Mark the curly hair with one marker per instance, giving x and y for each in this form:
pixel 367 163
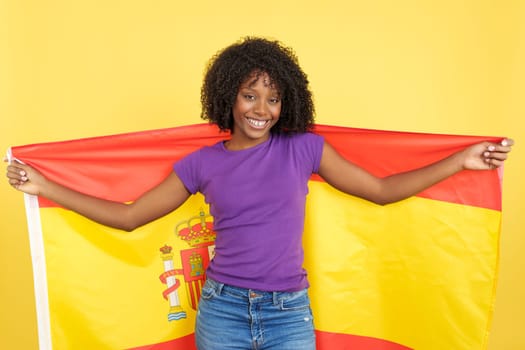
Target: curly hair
pixel 230 67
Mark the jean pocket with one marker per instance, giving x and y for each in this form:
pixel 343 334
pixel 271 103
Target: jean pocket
pixel 294 301
pixel 210 289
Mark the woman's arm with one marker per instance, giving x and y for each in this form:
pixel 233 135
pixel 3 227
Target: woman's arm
pixel 354 180
pixel 159 201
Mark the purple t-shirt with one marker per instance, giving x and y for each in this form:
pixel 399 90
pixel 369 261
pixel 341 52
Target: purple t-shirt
pixel 257 198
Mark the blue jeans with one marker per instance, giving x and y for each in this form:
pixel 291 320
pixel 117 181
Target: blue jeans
pixel 236 318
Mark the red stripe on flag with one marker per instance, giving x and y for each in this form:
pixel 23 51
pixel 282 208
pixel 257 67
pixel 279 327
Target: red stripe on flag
pixel 97 165
pixel 387 152
pixel 324 340
pixel 338 341
pixel 184 343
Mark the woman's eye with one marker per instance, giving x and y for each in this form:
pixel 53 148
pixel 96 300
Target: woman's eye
pixel 274 100
pixel 249 97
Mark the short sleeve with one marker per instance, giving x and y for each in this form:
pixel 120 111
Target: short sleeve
pixel 317 151
pixel 188 170
pixel 310 147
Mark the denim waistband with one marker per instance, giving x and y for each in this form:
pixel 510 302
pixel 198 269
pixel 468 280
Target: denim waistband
pixel 250 294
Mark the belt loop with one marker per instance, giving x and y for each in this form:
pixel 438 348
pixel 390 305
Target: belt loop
pixel 218 288
pixel 275 297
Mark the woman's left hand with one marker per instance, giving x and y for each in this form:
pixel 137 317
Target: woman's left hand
pixel 487 155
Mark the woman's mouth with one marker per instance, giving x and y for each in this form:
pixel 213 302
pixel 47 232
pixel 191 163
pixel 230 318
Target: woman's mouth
pixel 259 124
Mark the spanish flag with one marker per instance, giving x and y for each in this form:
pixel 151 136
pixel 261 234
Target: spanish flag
pixel 417 274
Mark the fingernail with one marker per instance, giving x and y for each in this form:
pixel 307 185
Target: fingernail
pixel 492 148
pixel 23 173
pixel 504 143
pixel 24 178
pixel 486 154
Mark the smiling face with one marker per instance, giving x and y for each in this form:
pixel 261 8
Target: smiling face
pixel 256 110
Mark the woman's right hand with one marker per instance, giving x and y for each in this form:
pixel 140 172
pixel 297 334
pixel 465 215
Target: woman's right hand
pixel 25 178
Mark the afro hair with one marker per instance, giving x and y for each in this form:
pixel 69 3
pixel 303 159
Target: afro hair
pixel 230 67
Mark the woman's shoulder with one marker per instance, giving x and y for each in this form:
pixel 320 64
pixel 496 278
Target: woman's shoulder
pixel 300 137
pixel 306 147
pixel 302 142
pixel 204 152
pixel 218 146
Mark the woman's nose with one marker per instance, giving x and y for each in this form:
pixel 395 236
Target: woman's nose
pixel 260 108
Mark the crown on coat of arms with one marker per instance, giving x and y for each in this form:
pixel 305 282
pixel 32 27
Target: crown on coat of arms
pixel 197 230
pixel 166 249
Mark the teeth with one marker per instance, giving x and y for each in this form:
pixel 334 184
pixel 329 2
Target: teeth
pixel 257 123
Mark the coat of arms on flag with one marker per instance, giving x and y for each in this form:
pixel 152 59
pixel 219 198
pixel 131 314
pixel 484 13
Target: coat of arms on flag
pixel 199 234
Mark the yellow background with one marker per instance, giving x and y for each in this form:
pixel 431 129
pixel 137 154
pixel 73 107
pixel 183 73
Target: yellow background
pixel 71 69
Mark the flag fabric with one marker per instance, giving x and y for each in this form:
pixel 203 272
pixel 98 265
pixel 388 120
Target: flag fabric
pixel 417 274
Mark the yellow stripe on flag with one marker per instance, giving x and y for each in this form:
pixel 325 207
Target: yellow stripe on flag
pixel 419 272
pixel 104 286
